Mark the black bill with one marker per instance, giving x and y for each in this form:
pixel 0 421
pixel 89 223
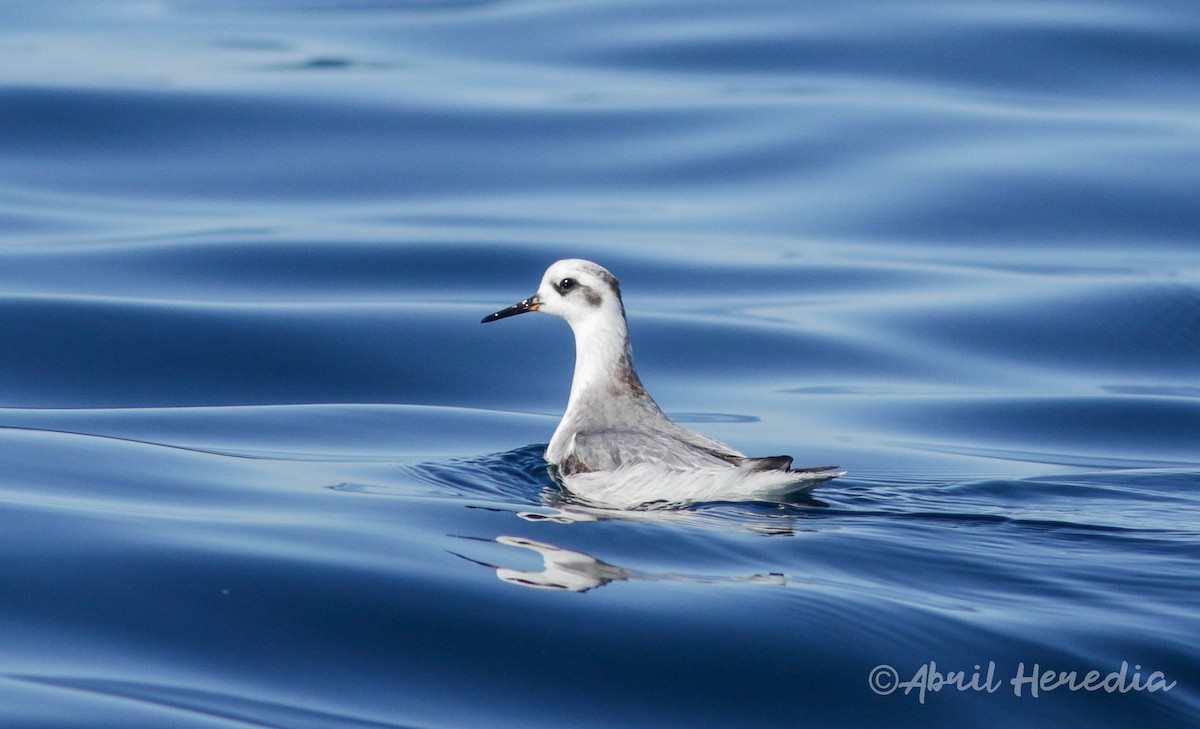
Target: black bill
pixel 530 304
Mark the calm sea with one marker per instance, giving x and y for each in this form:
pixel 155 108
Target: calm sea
pixel 261 466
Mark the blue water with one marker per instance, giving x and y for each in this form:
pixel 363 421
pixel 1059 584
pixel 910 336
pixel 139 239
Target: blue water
pixel 260 465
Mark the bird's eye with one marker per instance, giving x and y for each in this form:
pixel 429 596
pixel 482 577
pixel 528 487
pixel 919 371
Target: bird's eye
pixel 566 285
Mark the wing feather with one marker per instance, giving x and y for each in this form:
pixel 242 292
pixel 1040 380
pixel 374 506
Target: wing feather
pixel 607 450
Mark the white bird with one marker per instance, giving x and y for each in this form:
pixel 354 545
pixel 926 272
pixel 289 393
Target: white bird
pixel 614 446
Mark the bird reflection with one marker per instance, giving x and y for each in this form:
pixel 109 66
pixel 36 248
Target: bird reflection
pixel 764 524
pixel 571 571
pixel 779 520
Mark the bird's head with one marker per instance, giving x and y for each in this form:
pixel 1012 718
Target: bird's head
pixel 573 289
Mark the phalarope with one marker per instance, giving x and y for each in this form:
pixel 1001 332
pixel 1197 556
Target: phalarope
pixel 614 446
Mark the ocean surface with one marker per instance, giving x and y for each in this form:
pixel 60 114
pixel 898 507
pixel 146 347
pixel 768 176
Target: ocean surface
pixel 261 466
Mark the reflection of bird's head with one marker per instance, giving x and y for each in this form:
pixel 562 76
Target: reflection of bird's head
pixel 562 569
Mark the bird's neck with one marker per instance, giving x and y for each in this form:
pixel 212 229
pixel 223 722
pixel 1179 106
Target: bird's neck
pixel 603 363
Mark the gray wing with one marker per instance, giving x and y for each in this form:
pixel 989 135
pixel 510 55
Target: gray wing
pixel 606 450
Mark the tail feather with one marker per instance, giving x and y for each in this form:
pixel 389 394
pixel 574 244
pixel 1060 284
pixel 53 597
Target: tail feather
pixel 813 469
pixel 782 463
pixel 769 463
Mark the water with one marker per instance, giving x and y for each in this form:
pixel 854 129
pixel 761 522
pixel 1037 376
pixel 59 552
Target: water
pixel 261 466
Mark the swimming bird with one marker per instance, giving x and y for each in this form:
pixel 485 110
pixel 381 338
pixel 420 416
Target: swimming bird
pixel 614 446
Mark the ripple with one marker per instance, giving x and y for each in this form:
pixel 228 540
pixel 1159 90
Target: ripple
pixel 210 708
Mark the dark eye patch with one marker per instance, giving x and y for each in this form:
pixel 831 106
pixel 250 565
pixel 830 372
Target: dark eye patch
pixel 566 285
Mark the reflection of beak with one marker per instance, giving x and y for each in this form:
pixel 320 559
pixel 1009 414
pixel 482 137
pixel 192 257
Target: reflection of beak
pixel 530 304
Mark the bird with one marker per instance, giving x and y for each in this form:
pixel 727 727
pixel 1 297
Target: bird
pixel 614 446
